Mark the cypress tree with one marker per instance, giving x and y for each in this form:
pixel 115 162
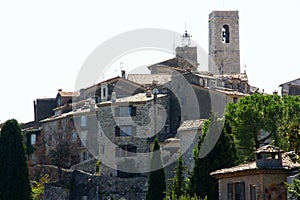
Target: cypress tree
pixel 179 182
pixel 222 155
pixel 156 180
pixel 14 175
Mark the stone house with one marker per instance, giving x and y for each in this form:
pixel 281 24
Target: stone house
pixel 291 87
pixel 127 128
pixel 263 179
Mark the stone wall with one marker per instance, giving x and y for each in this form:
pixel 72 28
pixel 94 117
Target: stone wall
pixel 81 185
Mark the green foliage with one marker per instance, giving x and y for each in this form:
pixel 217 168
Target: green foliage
pixel 223 154
pixel 98 163
pixel 294 189
pixel 179 182
pixel 184 197
pixel 156 180
pixel 257 114
pixel 38 187
pixel 14 175
pixel 291 131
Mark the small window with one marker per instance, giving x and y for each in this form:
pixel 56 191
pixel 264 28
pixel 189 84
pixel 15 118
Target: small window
pixel 125 111
pixel 166 128
pixel 252 192
pixel 239 190
pixel 235 99
pixel 74 136
pixel 126 151
pixel 229 191
pixel 225 34
pixel 84 137
pixel 85 155
pixel 104 92
pixel 33 139
pixel 83 121
pixel 125 131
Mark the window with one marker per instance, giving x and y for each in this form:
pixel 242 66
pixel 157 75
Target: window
pixel 104 92
pixel 235 99
pixel 74 136
pixel 236 191
pixel 33 139
pixel 84 137
pixel 125 131
pixel 166 128
pixel 229 191
pixel 239 190
pixel 225 34
pixel 126 151
pixel 125 111
pixel 252 192
pixel 83 121
pixel 85 155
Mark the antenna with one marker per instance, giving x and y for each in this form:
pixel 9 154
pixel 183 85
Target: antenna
pixel 223 4
pixel 174 45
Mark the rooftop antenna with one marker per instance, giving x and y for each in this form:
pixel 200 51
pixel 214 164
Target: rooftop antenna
pixel 174 45
pixel 223 4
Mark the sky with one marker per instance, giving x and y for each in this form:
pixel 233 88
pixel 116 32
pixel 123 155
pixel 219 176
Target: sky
pixel 43 44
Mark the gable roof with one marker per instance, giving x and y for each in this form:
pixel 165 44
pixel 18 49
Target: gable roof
pixel 288 162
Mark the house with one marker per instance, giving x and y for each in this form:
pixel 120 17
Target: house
pixel 263 179
pixel 291 87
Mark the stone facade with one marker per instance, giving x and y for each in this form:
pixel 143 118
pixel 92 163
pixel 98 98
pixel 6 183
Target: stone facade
pixel 224 47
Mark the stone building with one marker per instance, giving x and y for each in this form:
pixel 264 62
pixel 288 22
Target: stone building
pixel 224 44
pixel 259 180
pixel 291 87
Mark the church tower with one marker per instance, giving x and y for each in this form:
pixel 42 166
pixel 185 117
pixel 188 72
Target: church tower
pixel 224 42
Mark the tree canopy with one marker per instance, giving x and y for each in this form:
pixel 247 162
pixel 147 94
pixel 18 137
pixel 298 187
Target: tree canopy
pixel 258 119
pixel 14 175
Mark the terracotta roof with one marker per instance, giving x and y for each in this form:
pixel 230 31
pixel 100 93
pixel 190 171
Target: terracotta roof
pixel 191 124
pixel 288 162
pixel 146 79
pixel 268 149
pixel 68 94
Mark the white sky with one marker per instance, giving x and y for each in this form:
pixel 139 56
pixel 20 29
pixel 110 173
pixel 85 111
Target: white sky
pixel 44 43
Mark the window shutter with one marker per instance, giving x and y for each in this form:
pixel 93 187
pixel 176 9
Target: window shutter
pixel 132 111
pixel 117 131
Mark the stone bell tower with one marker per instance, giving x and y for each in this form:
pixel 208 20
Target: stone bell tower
pixel 224 42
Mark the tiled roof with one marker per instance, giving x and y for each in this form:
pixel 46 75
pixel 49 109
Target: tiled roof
pixel 288 162
pixel 140 97
pixel 69 94
pixel 146 79
pixel 268 149
pixel 191 124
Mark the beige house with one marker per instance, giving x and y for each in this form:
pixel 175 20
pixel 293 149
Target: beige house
pixel 263 179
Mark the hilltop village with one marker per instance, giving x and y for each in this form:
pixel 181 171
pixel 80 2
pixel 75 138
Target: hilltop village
pixel 113 124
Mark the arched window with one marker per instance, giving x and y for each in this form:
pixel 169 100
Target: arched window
pixel 225 34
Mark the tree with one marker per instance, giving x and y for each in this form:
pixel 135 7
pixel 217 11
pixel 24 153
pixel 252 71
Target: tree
pixel 14 175
pixel 179 182
pixel 156 180
pixel 222 155
pixel 257 119
pixel 59 142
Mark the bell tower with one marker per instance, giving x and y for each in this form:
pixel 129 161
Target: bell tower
pixel 224 42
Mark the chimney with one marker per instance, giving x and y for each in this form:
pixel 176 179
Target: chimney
pixel 123 72
pixel 275 92
pixel 59 90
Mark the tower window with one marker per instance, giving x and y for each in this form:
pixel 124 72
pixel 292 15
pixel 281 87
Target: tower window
pixel 225 34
